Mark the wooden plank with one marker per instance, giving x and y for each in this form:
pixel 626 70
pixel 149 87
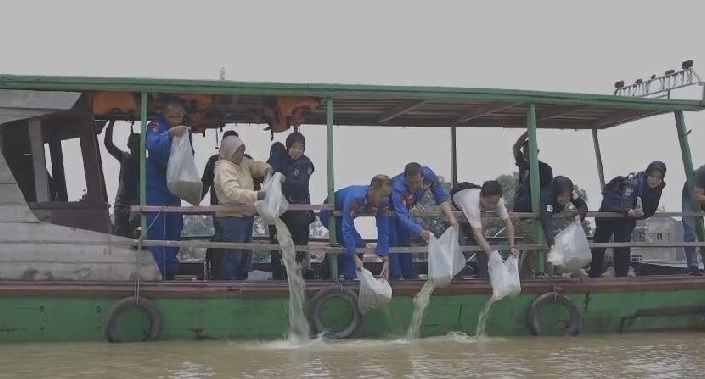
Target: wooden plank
pixel 11 194
pixel 41 186
pixel 16 213
pixel 400 110
pixel 483 110
pixel 63 263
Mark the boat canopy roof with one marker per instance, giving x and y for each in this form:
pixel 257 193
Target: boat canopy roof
pixel 357 105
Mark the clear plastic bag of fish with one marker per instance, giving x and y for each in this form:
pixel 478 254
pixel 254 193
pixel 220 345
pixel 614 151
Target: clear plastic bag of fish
pixel 571 250
pixel 182 177
pixel 374 292
pixel 504 275
pixel 445 259
pixel 274 203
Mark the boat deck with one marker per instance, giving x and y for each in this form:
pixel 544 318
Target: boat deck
pixel 276 289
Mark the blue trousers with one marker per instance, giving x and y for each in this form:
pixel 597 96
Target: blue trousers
pixel 691 253
pixel 346 262
pixel 165 226
pixel 236 262
pixel 400 265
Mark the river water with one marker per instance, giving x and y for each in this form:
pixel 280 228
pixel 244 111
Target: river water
pixel 660 355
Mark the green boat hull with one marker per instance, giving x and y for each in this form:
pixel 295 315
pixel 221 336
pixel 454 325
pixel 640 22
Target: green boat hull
pixel 71 312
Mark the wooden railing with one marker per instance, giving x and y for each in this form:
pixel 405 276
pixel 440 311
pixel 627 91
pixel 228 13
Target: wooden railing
pixel 206 210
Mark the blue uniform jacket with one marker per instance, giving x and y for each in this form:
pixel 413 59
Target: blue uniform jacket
pixel 158 149
pixel 351 201
pixel 402 199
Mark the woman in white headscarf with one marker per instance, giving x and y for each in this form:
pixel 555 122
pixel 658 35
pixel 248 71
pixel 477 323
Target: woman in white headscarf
pixel 234 185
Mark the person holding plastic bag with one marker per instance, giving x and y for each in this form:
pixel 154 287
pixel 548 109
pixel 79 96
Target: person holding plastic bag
pixel 234 185
pixel 351 201
pixel 559 206
pixel 164 225
pixel 635 196
pixel 407 189
pixel 472 201
pixel 297 169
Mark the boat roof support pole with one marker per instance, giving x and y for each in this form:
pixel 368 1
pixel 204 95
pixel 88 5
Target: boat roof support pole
pixel 143 163
pixel 331 186
pixel 689 174
pixel 534 181
pixel 454 155
pixel 598 155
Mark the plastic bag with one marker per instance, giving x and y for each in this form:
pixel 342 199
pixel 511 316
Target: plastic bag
pixel 274 203
pixel 182 177
pixel 571 250
pixel 445 259
pixel 504 276
pixel 374 293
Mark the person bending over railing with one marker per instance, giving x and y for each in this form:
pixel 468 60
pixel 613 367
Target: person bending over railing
pixel 407 189
pixel 472 201
pixel 635 196
pixel 234 185
pixel 353 201
pixel 559 203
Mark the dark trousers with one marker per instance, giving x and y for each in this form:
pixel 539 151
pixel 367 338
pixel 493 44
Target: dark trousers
pixel 298 225
pixel 126 223
pixel 214 257
pixel 467 238
pixel 236 263
pixel 621 229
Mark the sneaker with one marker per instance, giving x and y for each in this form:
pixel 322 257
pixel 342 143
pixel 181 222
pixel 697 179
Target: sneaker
pixel 694 271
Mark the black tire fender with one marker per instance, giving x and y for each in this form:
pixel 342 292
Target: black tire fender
pixel 112 331
pixel 556 298
pixel 318 303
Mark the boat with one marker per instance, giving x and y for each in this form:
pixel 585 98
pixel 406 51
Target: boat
pixel 64 277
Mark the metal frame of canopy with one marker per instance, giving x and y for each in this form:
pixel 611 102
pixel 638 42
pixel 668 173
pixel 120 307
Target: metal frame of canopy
pixel 395 106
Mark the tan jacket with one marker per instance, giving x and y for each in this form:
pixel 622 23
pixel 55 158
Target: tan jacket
pixel 234 184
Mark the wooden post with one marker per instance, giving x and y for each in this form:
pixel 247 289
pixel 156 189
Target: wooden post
pixel 535 181
pixel 331 186
pixel 36 141
pixel 689 174
pixel 143 162
pixel 598 155
pixel 454 155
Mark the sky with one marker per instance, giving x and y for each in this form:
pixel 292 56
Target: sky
pixel 539 45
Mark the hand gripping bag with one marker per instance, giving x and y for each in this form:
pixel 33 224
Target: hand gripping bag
pixel 445 259
pixel 182 177
pixel 504 275
pixel 374 293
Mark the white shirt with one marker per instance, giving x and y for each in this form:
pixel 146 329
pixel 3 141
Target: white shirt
pixel 469 202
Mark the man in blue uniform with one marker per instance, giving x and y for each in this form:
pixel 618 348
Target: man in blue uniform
pixel 164 225
pixel 407 189
pixel 351 201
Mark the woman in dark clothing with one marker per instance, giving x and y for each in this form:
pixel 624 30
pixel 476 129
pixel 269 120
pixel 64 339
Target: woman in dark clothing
pixel 561 201
pixel 637 197
pixel 561 204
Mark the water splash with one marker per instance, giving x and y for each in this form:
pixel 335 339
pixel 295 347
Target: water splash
pixel 421 301
pixel 299 330
pixel 482 319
